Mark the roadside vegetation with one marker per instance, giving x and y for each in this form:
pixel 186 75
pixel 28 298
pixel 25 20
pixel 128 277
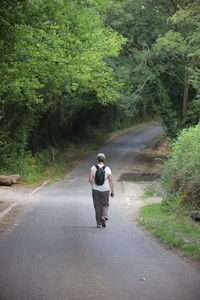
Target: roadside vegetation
pixel 176 230
pixel 53 163
pixel 181 172
pixel 170 220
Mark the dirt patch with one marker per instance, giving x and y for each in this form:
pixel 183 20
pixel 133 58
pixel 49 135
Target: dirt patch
pixel 8 221
pixel 145 170
pixel 134 200
pixel 3 205
pixel 148 163
pixel 138 176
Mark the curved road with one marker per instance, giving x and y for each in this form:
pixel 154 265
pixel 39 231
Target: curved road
pixel 56 253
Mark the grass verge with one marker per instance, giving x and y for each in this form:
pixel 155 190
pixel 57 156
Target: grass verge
pixel 175 230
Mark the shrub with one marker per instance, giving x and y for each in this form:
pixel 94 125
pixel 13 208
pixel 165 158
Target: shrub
pixel 49 163
pixel 181 172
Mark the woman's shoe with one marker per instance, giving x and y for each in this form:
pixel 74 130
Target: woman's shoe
pixel 103 223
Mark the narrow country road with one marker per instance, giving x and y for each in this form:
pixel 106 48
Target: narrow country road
pixel 57 253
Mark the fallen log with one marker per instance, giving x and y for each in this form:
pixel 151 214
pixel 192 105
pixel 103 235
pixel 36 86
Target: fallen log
pixel 9 180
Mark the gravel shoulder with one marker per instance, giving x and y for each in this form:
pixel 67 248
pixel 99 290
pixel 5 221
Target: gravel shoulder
pixel 144 171
pixel 11 197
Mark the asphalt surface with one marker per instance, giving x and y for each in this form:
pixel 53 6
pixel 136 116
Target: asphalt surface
pixel 55 252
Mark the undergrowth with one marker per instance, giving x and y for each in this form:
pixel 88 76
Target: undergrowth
pixel 151 190
pixel 181 172
pixel 47 164
pixel 175 230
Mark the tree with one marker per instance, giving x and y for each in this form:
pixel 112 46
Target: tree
pixel 52 65
pixel 188 20
pixel 135 64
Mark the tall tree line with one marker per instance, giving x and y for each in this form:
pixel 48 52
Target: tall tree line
pixel 70 65
pixel 160 61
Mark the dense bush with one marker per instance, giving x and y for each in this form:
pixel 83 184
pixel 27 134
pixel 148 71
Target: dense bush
pixel 181 173
pixel 48 163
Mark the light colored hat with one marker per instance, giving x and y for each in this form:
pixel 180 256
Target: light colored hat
pixel 101 156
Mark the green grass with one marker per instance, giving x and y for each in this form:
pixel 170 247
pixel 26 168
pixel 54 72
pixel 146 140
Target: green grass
pixel 175 230
pixel 40 167
pixel 149 191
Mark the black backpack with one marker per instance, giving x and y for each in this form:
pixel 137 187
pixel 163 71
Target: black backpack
pixel 100 175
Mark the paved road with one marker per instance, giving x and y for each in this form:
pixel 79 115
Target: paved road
pixel 56 253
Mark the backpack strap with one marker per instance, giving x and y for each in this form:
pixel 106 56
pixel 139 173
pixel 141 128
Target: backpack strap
pixel 97 167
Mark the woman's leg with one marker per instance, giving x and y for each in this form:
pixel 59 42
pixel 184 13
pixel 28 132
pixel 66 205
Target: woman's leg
pixel 97 206
pixel 105 205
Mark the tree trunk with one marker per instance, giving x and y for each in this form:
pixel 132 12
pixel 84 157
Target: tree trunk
pixel 185 91
pixel 9 180
pixel 172 8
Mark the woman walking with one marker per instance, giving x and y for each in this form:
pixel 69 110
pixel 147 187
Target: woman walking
pixel 100 178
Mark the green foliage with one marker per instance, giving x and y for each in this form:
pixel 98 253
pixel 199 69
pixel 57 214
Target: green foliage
pixel 134 66
pixel 169 118
pixel 179 51
pixel 159 63
pixel 193 114
pixel 49 164
pixel 177 231
pixel 52 61
pixel 149 191
pixel 175 202
pixel 181 173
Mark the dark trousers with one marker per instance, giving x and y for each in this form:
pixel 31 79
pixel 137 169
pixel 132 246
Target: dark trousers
pixel 101 204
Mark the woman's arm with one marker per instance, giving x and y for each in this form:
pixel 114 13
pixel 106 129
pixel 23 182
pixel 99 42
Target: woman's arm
pixel 91 177
pixel 110 180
